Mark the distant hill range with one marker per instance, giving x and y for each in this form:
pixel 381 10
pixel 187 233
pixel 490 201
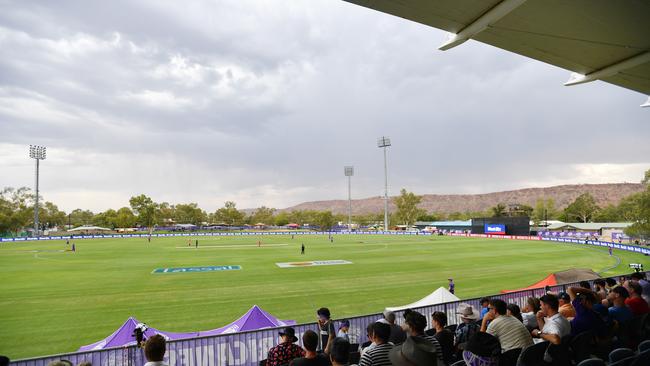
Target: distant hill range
pixel 604 194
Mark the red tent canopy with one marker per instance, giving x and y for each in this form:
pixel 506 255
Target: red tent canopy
pixel 548 281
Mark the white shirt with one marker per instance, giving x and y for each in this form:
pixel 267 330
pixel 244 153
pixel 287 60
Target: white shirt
pixel 557 324
pixel 155 363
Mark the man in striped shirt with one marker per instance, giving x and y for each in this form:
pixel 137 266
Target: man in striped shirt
pixel 378 355
pixel 512 333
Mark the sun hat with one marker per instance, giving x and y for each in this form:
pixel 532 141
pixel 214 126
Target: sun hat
pixel 466 311
pixel 289 332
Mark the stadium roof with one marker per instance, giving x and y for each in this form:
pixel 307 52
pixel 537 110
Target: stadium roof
pixel 597 40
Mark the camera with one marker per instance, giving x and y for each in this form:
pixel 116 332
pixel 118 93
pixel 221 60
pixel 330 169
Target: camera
pixel 638 267
pixel 138 333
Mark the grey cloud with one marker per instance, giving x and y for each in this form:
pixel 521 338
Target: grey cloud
pixel 264 102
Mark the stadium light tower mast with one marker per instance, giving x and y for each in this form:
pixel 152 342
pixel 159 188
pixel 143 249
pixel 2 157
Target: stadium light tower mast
pixel 37 153
pixel 384 142
pixel 349 172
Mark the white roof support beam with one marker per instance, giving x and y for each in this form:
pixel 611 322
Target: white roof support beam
pixel 480 24
pixel 610 70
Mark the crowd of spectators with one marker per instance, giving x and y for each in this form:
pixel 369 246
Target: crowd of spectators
pixel 582 322
pixel 609 315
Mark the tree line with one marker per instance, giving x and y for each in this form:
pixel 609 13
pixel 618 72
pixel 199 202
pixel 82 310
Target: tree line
pixel 17 213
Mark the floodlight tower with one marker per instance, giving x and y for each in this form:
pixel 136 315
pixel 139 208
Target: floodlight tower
pixel 37 153
pixel 349 172
pixel 384 142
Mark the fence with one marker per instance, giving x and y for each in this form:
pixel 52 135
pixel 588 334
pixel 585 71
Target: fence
pixel 248 348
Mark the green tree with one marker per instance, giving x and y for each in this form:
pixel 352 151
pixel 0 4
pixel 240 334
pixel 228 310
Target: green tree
pixel 544 210
pixel 145 209
pixel 189 213
pixel 407 207
pixel 106 219
pixel 263 215
pixel 229 214
pixel 429 217
pixel 498 211
pixel 79 217
pixel 281 219
pixel 628 208
pixel 609 213
pixel 51 216
pixel 125 218
pixel 16 209
pixel 641 226
pixel 583 208
pixel 325 220
pixel 165 214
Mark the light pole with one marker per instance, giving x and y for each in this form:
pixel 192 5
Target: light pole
pixel 384 142
pixel 349 172
pixel 37 153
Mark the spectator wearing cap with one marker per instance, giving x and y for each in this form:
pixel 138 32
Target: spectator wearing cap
pixel 286 351
pixel 415 324
pixel 635 302
pixel 566 309
pixel 552 325
pixel 378 355
pixel 397 334
pixel 619 311
pixel 512 333
pixel 586 318
pixel 311 358
pixel 154 350
pixel 645 285
pixel 467 328
pixel 327 331
pixel 444 336
pixel 344 328
pixel 340 352
pixel 529 312
pixel 415 351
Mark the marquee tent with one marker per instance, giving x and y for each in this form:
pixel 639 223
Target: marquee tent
pixel 89 228
pixel 439 296
pixel 570 275
pixel 255 318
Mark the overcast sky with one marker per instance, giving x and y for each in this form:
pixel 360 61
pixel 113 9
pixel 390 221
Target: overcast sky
pixel 265 102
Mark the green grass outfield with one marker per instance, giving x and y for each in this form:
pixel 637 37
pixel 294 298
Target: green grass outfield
pixel 53 302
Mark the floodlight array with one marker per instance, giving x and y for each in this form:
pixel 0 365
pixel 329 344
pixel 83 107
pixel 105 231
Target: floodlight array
pixel 37 152
pixel 383 141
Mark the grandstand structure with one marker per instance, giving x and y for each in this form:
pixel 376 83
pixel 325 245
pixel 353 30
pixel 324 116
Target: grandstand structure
pixel 250 347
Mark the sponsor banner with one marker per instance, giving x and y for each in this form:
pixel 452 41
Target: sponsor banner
pixel 495 229
pixel 196 269
pixel 312 263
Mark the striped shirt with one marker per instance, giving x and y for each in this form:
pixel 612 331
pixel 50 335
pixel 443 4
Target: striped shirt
pixel 511 333
pixel 377 356
pixel 432 339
